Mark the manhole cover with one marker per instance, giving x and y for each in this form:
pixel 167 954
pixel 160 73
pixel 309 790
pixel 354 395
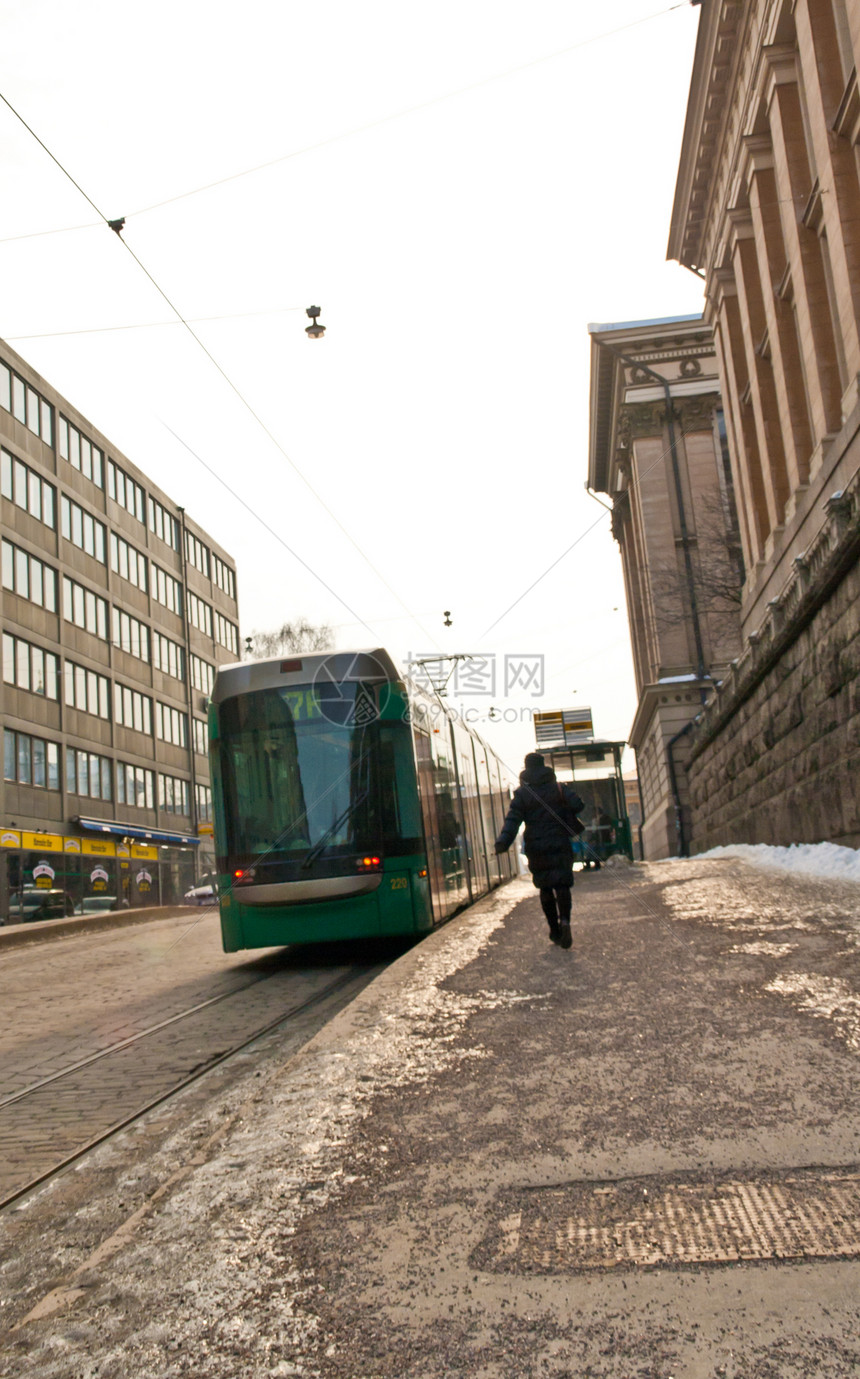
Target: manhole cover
pixel 635 1222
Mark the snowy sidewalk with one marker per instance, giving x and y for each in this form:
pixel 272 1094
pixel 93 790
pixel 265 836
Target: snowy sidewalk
pixel 458 1175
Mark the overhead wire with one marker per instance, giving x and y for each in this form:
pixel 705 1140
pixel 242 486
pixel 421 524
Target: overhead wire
pixel 152 325
pixel 117 226
pixel 392 116
pixel 239 499
pixel 602 517
pixel 415 109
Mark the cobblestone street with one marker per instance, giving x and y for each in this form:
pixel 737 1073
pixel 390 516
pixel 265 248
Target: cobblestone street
pixel 638 1158
pixel 98 1025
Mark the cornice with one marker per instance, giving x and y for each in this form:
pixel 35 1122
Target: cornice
pixel 650 341
pixel 715 56
pixel 777 67
pixel 757 155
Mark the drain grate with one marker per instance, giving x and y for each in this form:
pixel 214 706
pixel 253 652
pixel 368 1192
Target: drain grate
pixel 636 1222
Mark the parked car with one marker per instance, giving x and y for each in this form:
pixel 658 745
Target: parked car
pixel 204 893
pixel 31 904
pixel 95 904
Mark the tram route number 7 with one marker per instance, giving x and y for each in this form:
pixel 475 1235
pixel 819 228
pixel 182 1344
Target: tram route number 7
pixel 303 704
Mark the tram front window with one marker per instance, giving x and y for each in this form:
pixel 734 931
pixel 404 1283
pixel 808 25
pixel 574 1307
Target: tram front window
pixel 296 776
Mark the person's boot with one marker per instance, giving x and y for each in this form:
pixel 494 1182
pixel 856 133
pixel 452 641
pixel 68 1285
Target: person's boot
pixel 565 938
pixel 555 931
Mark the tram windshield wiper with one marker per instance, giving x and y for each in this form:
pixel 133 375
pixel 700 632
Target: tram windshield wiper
pixel 332 830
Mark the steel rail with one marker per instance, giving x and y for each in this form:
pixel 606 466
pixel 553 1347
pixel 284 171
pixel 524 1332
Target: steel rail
pixel 124 1043
pixel 63 1164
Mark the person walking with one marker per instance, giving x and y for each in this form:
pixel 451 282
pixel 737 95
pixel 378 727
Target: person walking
pixel 548 811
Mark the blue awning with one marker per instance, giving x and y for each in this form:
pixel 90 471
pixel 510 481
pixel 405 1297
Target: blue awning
pixel 149 835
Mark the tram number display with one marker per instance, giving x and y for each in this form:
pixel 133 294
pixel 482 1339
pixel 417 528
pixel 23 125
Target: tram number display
pixel 399 883
pixel 303 704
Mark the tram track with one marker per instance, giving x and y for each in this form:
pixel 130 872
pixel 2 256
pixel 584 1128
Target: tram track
pixel 124 1043
pixel 45 1111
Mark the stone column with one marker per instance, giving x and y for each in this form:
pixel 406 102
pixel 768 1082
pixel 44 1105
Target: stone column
pixel 803 248
pixel 743 442
pixel 760 371
pixel 836 169
pixel 779 316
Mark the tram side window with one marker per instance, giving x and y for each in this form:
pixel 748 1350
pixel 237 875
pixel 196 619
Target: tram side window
pixel 398 791
pixel 446 808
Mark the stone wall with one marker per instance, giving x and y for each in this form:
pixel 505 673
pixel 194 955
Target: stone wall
pixel 775 757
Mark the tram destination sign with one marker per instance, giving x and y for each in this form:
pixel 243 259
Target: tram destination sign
pixel 564 727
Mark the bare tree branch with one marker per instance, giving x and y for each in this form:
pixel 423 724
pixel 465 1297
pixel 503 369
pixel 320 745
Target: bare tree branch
pixel 290 638
pixel 718 572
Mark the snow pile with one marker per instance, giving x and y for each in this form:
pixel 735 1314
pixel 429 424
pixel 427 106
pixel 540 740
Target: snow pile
pixel 811 859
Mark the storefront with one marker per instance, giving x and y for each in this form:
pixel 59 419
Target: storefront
pixel 49 875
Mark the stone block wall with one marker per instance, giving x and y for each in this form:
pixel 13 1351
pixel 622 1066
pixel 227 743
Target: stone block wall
pixel 775 757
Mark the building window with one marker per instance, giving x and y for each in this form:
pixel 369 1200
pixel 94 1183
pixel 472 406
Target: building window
pixel 31 760
pixel 84 608
pixel 197 553
pixel 126 491
pixel 202 674
pixel 28 490
pixel 203 796
pixel 30 668
pixel 26 405
pixel 87 691
pixel 173 795
pixel 223 576
pixel 163 524
pixel 130 635
pixel 81 453
pixel 27 577
pixel 82 529
pixel 131 709
pixel 127 562
pixel 171 725
pixel 166 589
pixel 168 656
pixel 227 634
pixel 88 774
pixel 199 614
pixel 135 786
pixel 201 736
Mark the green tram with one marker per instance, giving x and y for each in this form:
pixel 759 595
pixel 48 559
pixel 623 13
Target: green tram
pixel 347 802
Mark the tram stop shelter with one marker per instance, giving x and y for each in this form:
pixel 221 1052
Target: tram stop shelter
pixel 595 769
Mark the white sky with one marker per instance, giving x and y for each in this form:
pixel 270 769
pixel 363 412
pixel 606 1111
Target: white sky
pixel 457 250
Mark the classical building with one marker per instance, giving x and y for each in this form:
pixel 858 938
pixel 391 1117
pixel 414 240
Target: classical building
pixel 767 212
pixel 116 609
pixel 657 447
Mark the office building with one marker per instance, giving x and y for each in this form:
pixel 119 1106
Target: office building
pixel 116 610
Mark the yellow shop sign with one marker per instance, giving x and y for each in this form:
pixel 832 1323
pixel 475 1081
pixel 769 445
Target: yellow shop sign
pixel 99 847
pixel 150 854
pixel 8 839
pixel 42 842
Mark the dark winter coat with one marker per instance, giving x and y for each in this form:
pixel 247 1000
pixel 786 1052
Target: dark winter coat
pixel 547 837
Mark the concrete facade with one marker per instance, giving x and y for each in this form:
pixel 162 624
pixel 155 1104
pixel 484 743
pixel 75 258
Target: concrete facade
pixel 767 212
pixel 657 448
pixel 116 609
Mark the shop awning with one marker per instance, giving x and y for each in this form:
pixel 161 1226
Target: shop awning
pixel 150 835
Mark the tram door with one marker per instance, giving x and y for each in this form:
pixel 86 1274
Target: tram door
pixel 427 795
pixel 478 875
pixel 492 825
